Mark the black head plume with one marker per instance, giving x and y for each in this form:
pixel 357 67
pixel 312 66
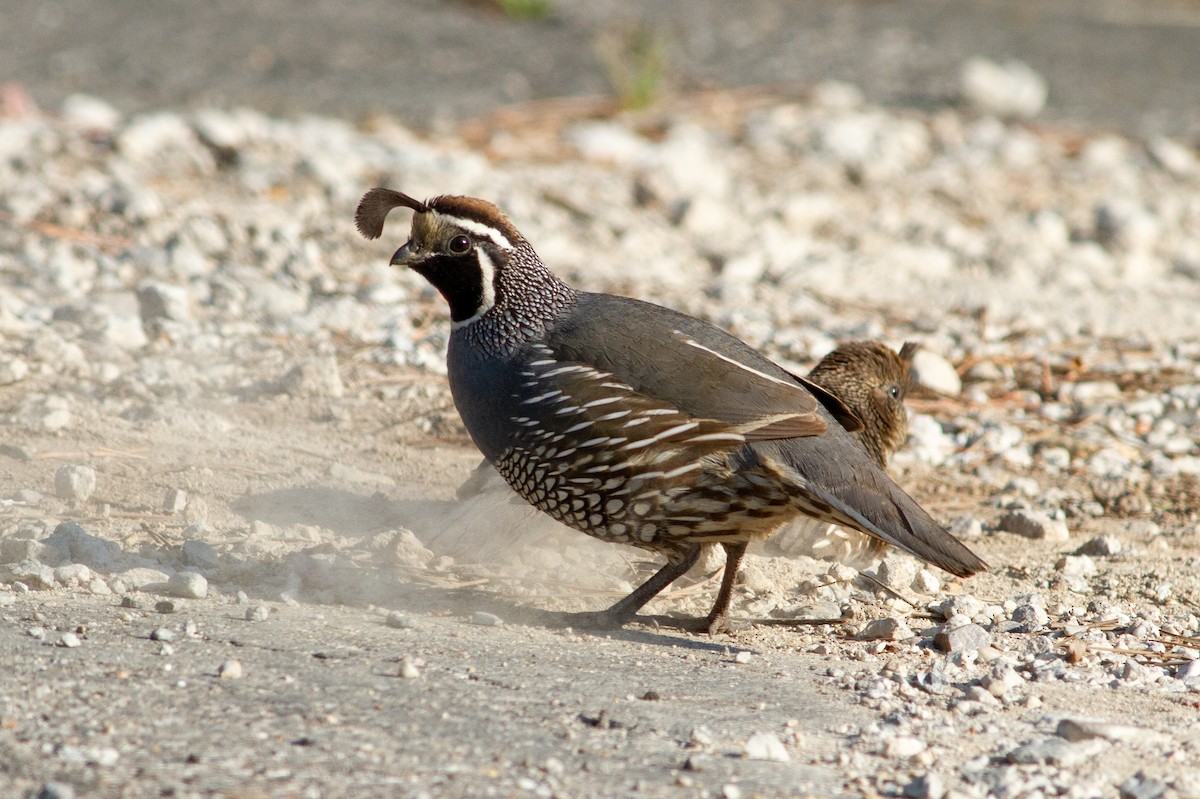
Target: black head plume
pixel 373 208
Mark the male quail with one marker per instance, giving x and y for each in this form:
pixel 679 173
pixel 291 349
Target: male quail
pixel 635 423
pixel 873 381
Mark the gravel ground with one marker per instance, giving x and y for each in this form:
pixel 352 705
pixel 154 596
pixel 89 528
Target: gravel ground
pixel 232 564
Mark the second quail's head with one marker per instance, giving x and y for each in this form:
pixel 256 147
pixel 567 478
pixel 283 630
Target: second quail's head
pixel 873 381
pixel 458 244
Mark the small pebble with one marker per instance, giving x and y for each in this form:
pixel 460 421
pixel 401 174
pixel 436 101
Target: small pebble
pixel 1033 524
pixel 765 746
pixel 1139 786
pixel 200 554
pixel 936 373
pixel 69 640
pixel 162 634
pixel 1001 680
pixel 1056 752
pixel 925 786
pixel 230 670
pixel 187 585
pixel 904 746
pixel 56 790
pixel 1102 546
pixel 1012 89
pixel 399 621
pixel 165 606
pixel 744 656
pixel 408 669
pixel 962 638
pixel 485 619
pixel 1078 729
pixel 1189 671
pixel 175 501
pixel 257 613
pixel 1031 617
pixel 74 483
pixel 886 629
pixel 1076 566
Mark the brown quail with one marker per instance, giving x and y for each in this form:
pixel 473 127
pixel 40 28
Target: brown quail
pixel 873 381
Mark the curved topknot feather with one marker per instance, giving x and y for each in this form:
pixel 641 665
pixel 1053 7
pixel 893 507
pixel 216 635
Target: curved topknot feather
pixel 374 208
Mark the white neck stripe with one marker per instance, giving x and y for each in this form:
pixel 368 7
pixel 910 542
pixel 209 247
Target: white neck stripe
pixel 481 230
pixel 487 281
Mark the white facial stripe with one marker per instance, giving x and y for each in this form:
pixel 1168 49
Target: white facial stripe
pixel 487 277
pixel 479 229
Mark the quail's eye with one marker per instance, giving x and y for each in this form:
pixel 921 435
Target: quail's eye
pixel 894 392
pixel 460 244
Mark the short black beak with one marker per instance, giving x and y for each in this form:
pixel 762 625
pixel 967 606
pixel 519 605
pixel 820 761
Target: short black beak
pixel 403 256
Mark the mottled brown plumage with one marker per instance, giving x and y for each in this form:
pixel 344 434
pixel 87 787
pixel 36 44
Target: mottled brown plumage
pixel 873 381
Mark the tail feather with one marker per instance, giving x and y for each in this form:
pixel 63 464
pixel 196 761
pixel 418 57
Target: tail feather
pixel 883 510
pixel 860 495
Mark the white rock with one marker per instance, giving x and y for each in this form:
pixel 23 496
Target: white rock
pixel 927 442
pixel 766 746
pixel 936 373
pixel 13 370
pixel 886 629
pixel 904 746
pixel 1081 729
pixel 29 573
pixel 74 482
pixel 1076 566
pixel 230 670
pixel 609 142
pixel 1174 157
pixel 162 301
pixel 897 570
pixel 1001 680
pixel 75 545
pixel 187 585
pixel 926 582
pixel 90 114
pixel 73 575
pixel 1012 89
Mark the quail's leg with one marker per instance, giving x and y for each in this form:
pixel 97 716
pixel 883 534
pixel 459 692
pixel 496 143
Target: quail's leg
pixel 626 609
pixel 718 617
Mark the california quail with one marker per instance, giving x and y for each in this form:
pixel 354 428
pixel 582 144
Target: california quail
pixel 873 381
pixel 635 423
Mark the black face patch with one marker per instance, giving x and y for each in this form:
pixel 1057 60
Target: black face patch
pixel 459 279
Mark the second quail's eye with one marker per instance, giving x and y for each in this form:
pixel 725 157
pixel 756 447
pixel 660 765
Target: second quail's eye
pixel 894 392
pixel 460 244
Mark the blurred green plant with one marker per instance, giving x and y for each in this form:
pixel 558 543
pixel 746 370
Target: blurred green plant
pixel 526 9
pixel 635 61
